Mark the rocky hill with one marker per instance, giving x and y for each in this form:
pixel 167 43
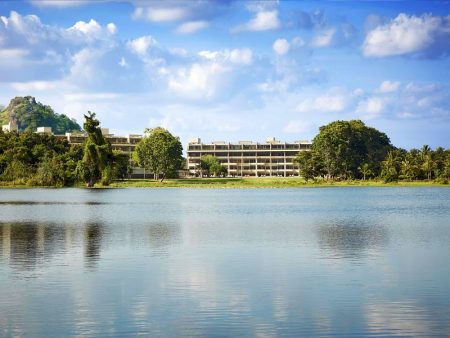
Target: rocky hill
pixel 30 114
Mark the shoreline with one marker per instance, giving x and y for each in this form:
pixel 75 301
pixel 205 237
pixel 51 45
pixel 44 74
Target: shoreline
pixel 239 183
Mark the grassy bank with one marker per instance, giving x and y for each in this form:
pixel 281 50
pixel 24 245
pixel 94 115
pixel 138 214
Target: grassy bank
pixel 247 182
pixel 260 182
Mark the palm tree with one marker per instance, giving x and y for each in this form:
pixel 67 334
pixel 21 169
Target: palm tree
pixel 389 167
pixel 428 165
pixel 365 170
pixel 407 169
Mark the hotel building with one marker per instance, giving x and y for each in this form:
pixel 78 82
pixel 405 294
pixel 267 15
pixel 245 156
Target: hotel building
pixel 246 158
pixel 124 144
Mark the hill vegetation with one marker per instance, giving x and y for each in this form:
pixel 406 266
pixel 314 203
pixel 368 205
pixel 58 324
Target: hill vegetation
pixel 30 114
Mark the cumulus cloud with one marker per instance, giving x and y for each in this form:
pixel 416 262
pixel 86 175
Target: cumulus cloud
pixel 237 56
pixel 141 46
pixel 389 86
pixel 297 126
pixel 425 35
pixel 281 46
pixel 161 14
pixel 263 21
pixel 192 27
pixel 59 3
pixel 44 52
pixel 323 38
pixel 333 101
pixel 200 81
pixel 371 108
pixel 33 86
pixel 179 11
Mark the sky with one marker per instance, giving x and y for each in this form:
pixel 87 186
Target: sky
pixel 234 70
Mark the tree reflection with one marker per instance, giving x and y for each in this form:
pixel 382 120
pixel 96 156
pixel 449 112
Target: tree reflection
pixel 92 243
pixel 350 238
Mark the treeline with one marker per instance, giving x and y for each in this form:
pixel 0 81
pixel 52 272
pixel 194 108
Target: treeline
pixel 346 150
pixel 43 160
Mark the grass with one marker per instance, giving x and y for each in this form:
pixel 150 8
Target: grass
pixel 247 182
pixel 257 182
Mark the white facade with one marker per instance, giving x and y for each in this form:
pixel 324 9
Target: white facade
pixel 247 158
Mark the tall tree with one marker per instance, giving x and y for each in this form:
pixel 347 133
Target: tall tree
pixel 97 159
pixel 342 147
pixel 159 152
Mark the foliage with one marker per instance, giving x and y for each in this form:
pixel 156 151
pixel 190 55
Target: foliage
pixel 211 165
pixel 308 164
pixel 121 165
pixel 342 148
pixel 159 152
pixel 97 161
pixel 30 114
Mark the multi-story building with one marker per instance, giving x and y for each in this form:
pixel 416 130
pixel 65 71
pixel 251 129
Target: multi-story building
pixel 246 158
pixel 124 144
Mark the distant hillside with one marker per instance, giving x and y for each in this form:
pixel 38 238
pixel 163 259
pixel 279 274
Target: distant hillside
pixel 30 114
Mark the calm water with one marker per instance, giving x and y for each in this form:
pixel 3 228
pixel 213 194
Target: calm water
pixel 263 262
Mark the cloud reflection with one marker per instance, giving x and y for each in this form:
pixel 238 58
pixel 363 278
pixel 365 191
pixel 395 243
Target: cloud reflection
pixel 351 238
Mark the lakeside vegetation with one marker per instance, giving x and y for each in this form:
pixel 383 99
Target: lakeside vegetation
pixel 263 182
pixel 344 153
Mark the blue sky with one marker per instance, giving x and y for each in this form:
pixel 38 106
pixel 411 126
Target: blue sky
pixel 235 70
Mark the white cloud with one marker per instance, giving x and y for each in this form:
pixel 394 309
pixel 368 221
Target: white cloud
pixel 13 53
pixel 192 27
pixel 161 14
pixel 323 38
pixel 59 3
pixel 89 28
pixel 281 46
pixel 33 86
pixel 237 56
pixel 112 28
pixel 263 21
pixel 408 34
pixel 123 62
pixel 141 45
pixel 371 108
pixel 389 86
pixel 328 102
pixel 198 81
pixel 297 126
pixel 241 56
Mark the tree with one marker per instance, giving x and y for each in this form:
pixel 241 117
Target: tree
pixel 341 147
pixel 428 165
pixel 307 165
pixel 211 165
pixel 365 170
pixel 122 167
pixel 159 152
pixel 389 167
pixel 97 159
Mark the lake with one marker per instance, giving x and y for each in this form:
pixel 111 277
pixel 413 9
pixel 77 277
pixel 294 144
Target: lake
pixel 347 262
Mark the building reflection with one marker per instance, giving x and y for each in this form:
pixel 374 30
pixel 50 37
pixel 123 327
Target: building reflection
pixel 351 238
pixel 26 245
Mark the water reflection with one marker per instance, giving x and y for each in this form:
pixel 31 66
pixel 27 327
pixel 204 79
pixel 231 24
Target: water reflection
pixel 351 238
pixel 224 262
pixel 92 243
pixel 26 245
